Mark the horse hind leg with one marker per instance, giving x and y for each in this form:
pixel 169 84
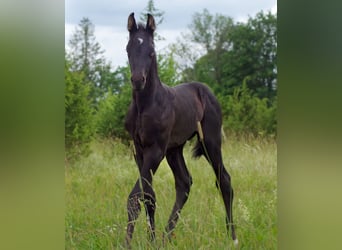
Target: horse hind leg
pixel 223 182
pixel 210 147
pixel 183 182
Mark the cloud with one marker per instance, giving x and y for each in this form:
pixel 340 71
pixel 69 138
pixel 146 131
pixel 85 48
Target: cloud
pixel 114 42
pixel 110 18
pixel 177 12
pixel 274 9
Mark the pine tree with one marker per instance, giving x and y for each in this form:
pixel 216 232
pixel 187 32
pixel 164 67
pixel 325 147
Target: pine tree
pixel 85 52
pixel 78 114
pixel 86 56
pixel 158 17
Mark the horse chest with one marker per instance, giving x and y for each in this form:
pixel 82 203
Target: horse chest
pixel 148 129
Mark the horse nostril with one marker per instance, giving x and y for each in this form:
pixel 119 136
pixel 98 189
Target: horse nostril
pixel 138 79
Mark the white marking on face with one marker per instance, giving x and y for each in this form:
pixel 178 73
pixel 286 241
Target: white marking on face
pixel 140 40
pixel 236 242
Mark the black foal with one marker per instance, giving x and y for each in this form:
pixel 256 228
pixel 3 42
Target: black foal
pixel 160 120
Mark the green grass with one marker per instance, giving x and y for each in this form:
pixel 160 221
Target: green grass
pixel 97 188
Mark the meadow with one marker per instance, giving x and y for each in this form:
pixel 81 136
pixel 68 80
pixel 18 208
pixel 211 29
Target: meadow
pixel 97 186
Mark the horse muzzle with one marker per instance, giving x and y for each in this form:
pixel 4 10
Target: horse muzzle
pixel 138 82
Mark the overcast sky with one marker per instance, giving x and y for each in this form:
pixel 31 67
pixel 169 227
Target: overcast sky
pixel 110 18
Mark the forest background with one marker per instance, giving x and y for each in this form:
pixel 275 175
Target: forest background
pixel 237 60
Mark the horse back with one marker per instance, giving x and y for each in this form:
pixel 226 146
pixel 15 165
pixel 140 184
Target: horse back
pixel 196 98
pixel 192 101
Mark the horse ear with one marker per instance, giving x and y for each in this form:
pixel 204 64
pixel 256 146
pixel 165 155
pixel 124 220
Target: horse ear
pixel 131 24
pixel 151 25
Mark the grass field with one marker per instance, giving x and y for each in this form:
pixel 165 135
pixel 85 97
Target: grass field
pixel 97 187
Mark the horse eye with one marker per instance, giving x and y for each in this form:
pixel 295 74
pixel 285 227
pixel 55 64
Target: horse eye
pixel 152 54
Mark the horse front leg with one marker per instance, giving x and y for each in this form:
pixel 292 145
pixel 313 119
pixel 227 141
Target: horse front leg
pixel 143 190
pixel 133 210
pixel 133 204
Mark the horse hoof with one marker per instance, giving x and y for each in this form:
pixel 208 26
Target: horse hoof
pixel 236 242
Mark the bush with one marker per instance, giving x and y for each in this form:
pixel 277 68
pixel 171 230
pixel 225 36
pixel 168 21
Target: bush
pixel 79 126
pixel 243 112
pixel 111 114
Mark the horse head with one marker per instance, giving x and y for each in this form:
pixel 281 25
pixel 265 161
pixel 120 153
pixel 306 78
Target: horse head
pixel 140 50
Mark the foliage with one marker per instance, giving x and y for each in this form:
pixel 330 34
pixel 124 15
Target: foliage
pixel 200 51
pixel 246 113
pixel 253 54
pixel 158 17
pixel 236 60
pixel 211 32
pixel 112 112
pixel 233 51
pixel 238 63
pixel 79 127
pixel 167 68
pixel 86 55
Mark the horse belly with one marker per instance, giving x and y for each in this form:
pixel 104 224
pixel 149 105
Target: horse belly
pixel 186 117
pixel 181 133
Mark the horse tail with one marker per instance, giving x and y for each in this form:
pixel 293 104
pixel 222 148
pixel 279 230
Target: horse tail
pixel 209 104
pixel 197 150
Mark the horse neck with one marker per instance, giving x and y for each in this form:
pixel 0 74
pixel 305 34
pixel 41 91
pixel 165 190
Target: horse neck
pixel 145 97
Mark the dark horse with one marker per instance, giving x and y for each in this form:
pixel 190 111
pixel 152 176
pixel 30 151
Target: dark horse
pixel 160 120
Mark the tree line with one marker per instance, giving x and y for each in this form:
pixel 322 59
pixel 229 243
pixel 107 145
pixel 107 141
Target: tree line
pixel 237 60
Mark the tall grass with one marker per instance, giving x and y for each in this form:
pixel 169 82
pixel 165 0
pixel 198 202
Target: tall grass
pixel 97 188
